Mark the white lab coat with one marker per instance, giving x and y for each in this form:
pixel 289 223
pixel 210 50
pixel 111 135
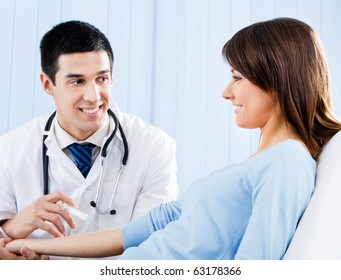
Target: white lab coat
pixel 318 235
pixel 148 178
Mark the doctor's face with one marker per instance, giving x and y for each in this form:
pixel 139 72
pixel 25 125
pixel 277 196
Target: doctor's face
pixel 81 92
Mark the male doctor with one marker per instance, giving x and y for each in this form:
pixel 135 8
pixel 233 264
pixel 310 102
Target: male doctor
pixel 77 62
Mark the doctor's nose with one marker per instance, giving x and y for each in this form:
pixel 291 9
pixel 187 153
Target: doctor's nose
pixel 92 93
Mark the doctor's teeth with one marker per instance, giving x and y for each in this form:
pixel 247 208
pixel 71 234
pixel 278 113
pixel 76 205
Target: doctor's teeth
pixel 90 111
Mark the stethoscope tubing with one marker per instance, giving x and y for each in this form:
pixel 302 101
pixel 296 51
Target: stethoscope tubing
pixel 118 126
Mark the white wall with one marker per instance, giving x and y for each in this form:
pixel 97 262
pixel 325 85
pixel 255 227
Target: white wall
pixel 168 65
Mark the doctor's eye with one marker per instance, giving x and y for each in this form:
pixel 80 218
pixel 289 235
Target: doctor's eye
pixel 77 82
pixel 103 79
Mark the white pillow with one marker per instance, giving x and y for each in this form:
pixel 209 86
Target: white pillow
pixel 318 235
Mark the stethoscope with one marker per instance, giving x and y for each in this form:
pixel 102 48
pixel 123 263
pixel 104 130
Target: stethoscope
pixel 93 203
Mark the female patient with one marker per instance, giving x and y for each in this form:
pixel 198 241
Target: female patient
pixel 280 84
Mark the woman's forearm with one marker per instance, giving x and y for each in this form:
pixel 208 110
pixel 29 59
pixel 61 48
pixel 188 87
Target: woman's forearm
pixel 84 245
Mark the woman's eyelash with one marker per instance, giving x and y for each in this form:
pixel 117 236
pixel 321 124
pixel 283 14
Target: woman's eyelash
pixel 237 78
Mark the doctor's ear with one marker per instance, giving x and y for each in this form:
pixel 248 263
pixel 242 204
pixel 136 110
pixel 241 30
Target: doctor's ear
pixel 46 83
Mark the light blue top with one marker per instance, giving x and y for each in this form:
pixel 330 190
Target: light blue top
pixel 245 211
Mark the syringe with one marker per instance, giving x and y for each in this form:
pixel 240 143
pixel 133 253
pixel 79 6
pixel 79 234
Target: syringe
pixel 75 212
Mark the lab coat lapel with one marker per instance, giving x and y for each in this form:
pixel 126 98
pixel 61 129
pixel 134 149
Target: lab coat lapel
pixel 56 154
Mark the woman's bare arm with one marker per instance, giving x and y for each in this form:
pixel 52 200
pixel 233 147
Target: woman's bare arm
pixel 84 245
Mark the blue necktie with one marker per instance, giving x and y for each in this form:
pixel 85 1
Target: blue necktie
pixel 82 155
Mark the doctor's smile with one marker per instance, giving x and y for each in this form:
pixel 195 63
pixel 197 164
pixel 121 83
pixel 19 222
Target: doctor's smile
pixel 91 111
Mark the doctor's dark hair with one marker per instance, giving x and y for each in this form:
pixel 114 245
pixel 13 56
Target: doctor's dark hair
pixel 71 37
pixel 285 57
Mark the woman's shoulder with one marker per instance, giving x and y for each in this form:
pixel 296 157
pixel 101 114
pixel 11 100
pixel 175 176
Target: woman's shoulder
pixel 287 156
pixel 287 149
pixel 282 166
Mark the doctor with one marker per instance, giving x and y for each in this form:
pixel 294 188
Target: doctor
pixel 118 168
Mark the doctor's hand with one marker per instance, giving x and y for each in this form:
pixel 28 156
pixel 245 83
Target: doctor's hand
pixel 42 214
pixel 25 253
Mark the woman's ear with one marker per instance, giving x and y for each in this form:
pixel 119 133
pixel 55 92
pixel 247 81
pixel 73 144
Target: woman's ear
pixel 46 83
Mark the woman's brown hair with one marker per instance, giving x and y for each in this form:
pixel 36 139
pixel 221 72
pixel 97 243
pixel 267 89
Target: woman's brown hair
pixel 286 57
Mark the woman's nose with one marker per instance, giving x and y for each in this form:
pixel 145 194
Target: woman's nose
pixel 227 93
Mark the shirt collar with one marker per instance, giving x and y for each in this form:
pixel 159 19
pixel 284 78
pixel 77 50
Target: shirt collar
pixel 64 139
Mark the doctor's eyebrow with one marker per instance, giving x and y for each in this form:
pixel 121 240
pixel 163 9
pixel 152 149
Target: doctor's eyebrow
pixel 73 75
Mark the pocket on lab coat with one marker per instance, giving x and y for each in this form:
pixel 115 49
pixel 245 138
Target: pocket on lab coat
pixel 123 202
